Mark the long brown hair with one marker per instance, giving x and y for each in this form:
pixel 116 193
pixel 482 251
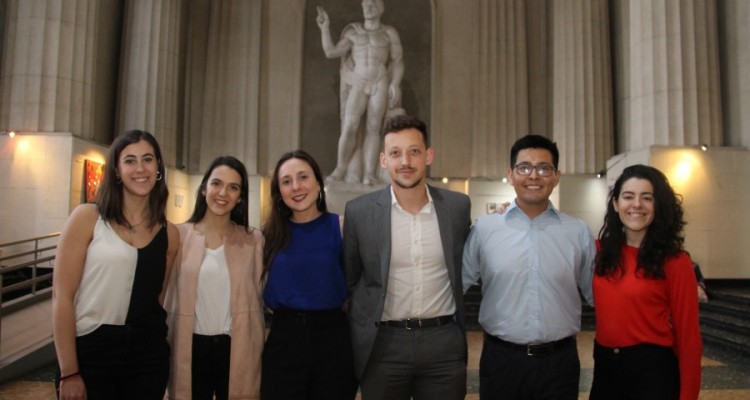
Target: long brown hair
pixel 110 195
pixel 239 212
pixel 276 227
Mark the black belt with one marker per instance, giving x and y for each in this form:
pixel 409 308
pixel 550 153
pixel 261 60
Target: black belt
pixel 532 349
pixel 416 323
pixel 211 339
pixel 304 317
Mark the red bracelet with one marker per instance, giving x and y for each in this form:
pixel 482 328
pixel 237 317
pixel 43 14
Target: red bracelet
pixel 62 378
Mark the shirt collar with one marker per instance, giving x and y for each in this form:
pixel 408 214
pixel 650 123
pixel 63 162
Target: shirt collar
pixel 551 211
pixel 427 207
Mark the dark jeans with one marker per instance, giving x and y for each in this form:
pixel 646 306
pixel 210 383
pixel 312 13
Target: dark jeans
pixel 121 362
pixel 308 355
pixel 643 372
pixel 509 373
pixel 210 368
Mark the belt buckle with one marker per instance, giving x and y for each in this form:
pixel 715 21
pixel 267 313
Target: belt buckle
pixel 531 349
pixel 408 323
pixel 537 349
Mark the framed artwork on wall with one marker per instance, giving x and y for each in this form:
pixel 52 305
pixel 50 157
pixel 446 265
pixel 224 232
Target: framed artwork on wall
pixel 92 176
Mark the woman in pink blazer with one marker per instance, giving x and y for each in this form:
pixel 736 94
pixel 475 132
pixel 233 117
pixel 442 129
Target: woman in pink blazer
pixel 217 327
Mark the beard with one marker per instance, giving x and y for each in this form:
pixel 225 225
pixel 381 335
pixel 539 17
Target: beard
pixel 406 185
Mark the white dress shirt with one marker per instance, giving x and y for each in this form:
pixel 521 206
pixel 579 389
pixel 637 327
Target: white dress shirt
pixel 418 283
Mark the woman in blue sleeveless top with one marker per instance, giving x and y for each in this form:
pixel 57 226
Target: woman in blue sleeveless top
pixel 308 352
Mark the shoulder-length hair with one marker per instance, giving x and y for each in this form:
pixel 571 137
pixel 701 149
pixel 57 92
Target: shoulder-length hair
pixel 276 228
pixel 109 199
pixel 664 237
pixel 239 212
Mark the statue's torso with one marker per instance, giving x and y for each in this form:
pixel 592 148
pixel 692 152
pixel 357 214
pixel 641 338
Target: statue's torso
pixel 370 51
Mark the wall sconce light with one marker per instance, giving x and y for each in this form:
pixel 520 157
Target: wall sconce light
pixel 601 174
pixel 9 133
pixel 704 147
pixel 445 179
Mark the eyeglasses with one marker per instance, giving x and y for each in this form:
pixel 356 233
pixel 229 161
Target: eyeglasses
pixel 542 170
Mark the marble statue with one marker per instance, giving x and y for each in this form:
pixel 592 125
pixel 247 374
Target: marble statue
pixel 371 70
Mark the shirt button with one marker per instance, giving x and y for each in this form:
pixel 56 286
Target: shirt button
pixel 617 351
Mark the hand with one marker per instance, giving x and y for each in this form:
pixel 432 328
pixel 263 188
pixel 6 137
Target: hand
pixel 322 18
pixel 501 208
pixel 394 96
pixel 702 296
pixel 73 388
pixel 345 306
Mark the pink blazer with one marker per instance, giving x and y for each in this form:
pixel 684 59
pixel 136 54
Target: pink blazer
pixel 244 253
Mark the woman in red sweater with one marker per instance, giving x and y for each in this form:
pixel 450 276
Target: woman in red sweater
pixel 648 343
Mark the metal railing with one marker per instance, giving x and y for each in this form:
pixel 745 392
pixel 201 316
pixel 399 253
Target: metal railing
pixel 29 264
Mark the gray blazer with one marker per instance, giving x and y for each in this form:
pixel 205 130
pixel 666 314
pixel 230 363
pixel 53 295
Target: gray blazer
pixel 367 254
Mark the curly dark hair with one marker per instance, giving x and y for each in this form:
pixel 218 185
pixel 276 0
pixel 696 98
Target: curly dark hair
pixel 402 122
pixel 276 229
pixel 664 237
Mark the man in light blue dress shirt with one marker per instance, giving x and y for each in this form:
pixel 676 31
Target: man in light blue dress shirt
pixel 532 260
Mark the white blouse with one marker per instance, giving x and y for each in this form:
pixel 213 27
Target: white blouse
pixel 212 311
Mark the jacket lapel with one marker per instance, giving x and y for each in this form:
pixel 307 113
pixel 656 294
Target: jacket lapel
pixel 382 221
pixel 446 236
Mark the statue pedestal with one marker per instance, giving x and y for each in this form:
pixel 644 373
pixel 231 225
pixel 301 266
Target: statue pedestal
pixel 339 192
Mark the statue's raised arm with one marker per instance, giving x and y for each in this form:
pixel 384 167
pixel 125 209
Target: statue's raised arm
pixel 331 51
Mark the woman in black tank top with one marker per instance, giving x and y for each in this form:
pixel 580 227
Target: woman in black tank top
pixel 112 263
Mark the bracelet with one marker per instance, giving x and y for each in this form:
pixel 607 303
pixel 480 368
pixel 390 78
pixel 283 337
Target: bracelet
pixel 62 378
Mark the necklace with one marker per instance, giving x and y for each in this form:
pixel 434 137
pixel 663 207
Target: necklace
pixel 133 226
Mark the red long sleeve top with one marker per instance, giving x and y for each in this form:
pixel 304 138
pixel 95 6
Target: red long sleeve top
pixel 635 310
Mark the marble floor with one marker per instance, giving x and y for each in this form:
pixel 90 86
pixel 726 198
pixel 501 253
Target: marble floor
pixel 726 376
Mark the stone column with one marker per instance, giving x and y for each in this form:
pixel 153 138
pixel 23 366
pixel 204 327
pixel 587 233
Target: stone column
pixel 673 74
pixel 501 111
pixel 735 32
pixel 454 52
pixel 539 67
pixel 150 97
pixel 281 82
pixel 53 57
pixel 582 85
pixel 231 94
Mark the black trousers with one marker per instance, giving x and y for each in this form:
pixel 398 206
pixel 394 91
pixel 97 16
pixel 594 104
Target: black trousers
pixel 120 362
pixel 210 367
pixel 308 355
pixel 419 364
pixel 509 373
pixel 643 372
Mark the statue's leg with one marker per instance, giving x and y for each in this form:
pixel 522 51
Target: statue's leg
pixel 354 107
pixel 376 107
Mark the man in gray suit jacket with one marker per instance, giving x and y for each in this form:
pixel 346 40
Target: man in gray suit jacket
pixel 402 253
